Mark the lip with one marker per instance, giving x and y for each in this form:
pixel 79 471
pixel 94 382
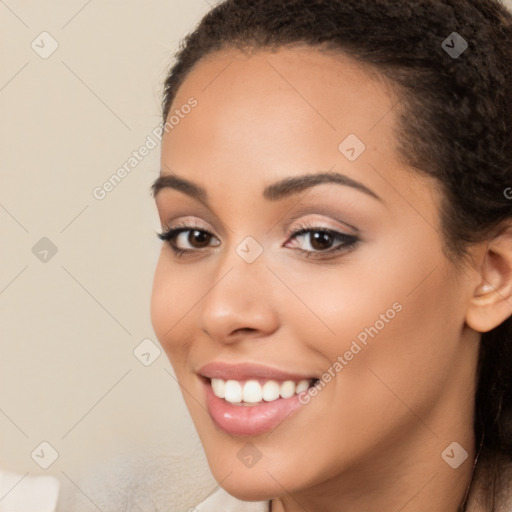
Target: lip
pixel 251 420
pixel 246 371
pixel 240 420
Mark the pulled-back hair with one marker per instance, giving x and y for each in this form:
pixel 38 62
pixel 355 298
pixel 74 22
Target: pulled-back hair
pixel 455 120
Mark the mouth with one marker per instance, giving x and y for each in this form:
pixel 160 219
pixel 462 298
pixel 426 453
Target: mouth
pixel 248 400
pixel 251 392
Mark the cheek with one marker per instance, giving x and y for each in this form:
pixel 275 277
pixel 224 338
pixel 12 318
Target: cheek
pixel 416 350
pixel 357 299
pixel 400 346
pixel 393 315
pixel 169 299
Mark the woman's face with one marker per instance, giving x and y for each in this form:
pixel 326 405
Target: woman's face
pixel 373 309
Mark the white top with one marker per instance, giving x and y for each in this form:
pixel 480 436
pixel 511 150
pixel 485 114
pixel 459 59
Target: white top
pixel 19 493
pixel 221 500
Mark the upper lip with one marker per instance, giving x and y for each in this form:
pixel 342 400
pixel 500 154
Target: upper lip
pixel 246 371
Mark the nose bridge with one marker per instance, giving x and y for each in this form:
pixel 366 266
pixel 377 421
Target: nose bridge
pixel 238 297
pixel 242 266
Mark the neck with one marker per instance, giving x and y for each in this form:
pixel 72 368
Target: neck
pixel 410 477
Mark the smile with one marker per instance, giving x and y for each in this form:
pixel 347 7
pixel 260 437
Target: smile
pixel 251 392
pixel 250 399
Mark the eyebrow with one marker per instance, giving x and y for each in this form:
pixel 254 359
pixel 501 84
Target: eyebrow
pixel 275 192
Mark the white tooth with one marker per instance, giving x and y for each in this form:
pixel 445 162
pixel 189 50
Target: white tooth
pixel 252 391
pixel 270 391
pixel 287 389
pixel 303 385
pixel 233 392
pixel 218 386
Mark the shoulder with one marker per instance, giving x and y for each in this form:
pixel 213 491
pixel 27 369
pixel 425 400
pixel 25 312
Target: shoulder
pixel 25 493
pixel 221 500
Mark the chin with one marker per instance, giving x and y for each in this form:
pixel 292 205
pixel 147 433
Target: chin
pixel 251 488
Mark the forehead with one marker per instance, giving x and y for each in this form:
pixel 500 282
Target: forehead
pixel 265 115
pixel 324 87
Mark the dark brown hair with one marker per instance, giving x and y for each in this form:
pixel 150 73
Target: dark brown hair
pixel 455 119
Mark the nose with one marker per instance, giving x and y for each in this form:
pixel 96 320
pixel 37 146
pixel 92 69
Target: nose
pixel 239 301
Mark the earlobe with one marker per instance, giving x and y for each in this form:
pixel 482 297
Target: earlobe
pixel 491 302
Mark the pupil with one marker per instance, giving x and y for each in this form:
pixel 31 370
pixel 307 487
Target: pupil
pixel 199 236
pixel 321 237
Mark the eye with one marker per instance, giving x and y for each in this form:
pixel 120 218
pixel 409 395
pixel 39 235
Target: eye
pixel 321 242
pixel 198 238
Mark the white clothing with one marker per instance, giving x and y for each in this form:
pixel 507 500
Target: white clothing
pixel 19 493
pixel 220 500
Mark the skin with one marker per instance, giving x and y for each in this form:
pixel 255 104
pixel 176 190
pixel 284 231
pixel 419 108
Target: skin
pixel 372 438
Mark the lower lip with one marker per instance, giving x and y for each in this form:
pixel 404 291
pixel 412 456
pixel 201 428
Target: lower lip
pixel 240 420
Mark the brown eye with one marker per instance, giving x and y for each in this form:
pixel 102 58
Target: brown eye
pixel 201 238
pixel 194 238
pixel 321 240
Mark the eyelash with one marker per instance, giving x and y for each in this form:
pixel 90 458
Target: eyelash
pixel 348 242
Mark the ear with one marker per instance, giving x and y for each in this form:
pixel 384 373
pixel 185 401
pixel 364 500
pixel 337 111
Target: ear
pixel 491 302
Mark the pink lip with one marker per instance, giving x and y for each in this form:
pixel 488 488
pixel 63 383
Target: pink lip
pixel 246 371
pixel 239 420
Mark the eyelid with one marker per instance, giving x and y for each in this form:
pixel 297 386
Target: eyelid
pixel 318 214
pixel 320 224
pixel 185 215
pixel 189 223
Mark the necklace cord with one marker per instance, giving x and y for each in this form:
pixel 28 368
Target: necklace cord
pixel 463 505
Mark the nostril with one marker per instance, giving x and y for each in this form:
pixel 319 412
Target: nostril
pixel 244 330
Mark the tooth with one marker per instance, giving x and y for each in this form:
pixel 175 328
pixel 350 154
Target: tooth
pixel 252 391
pixel 218 386
pixel 303 385
pixel 270 391
pixel 287 389
pixel 233 392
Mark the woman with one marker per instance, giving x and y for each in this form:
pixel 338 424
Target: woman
pixel 334 290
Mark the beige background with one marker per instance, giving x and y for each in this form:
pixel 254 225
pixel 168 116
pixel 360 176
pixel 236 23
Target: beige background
pixel 69 326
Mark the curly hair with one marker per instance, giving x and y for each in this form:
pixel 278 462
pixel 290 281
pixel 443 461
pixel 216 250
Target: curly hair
pixel 455 120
